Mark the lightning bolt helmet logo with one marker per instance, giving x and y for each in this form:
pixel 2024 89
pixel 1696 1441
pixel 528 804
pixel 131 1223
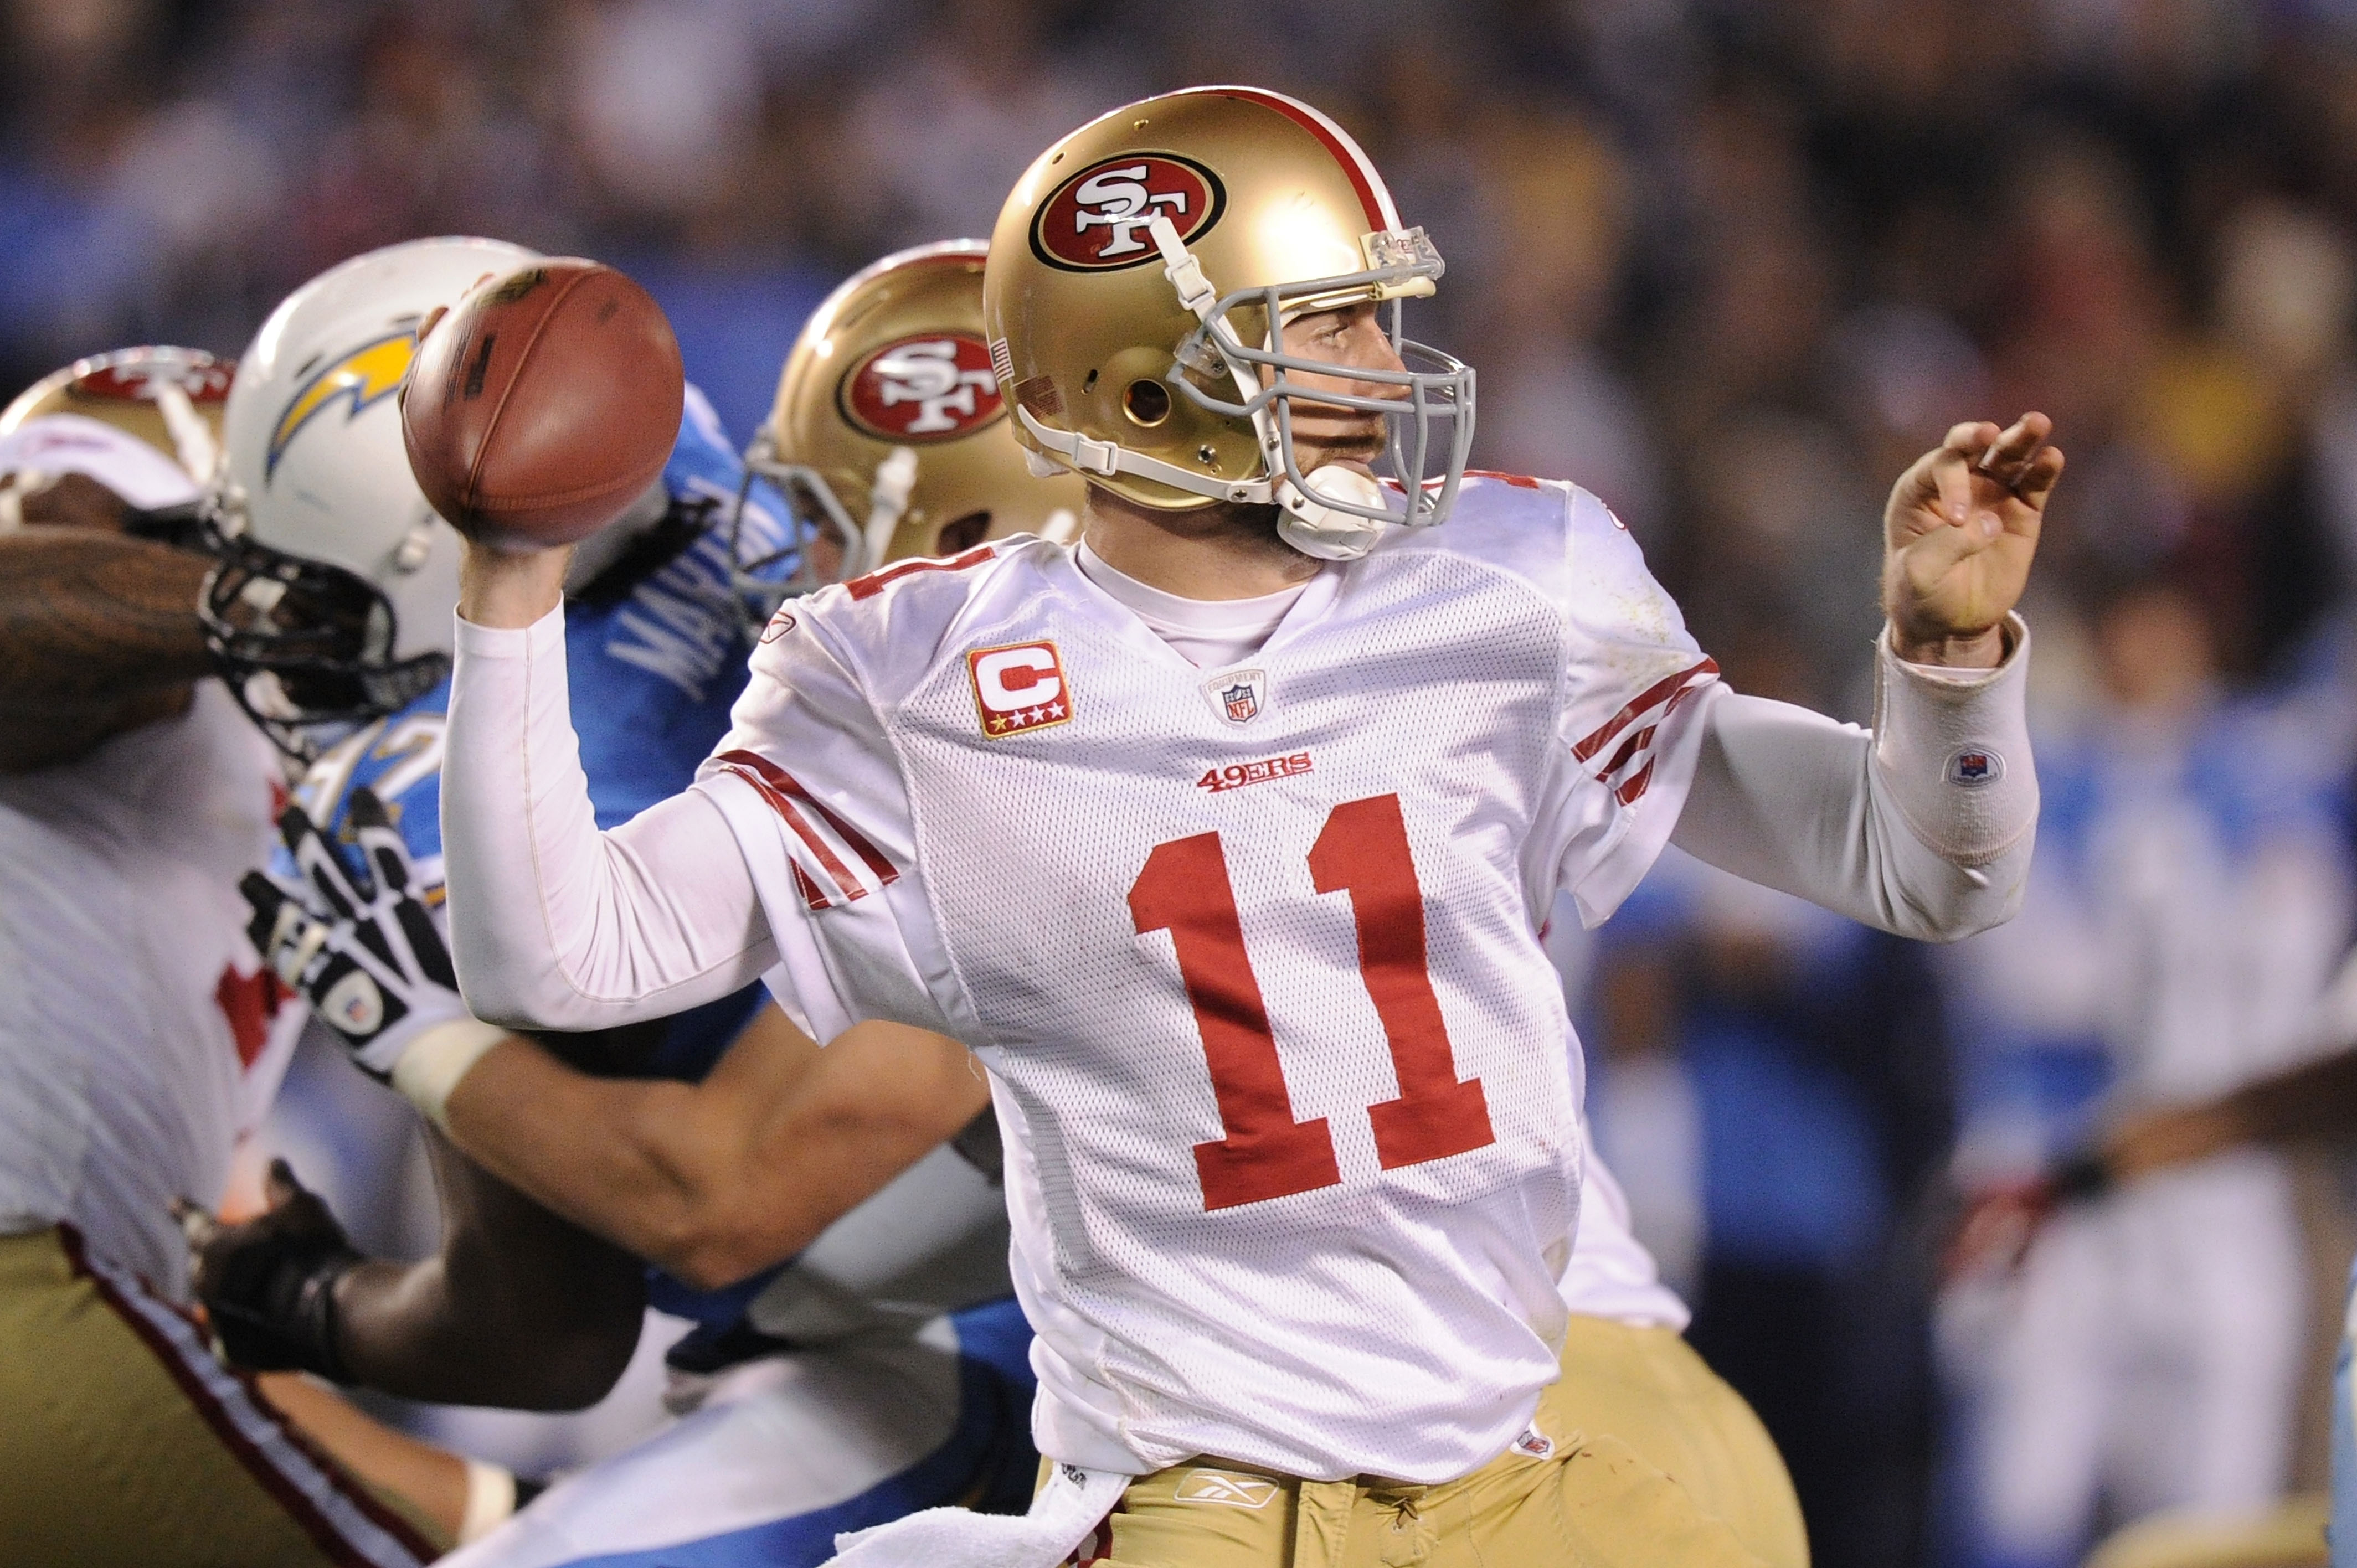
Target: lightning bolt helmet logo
pixel 366 376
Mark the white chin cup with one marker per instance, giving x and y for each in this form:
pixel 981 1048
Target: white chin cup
pixel 1329 533
pixel 1325 532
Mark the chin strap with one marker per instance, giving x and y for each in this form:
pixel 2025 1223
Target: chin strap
pixel 888 503
pixel 1305 523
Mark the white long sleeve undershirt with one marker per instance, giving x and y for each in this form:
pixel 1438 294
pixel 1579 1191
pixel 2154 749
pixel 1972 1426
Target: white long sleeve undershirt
pixel 1211 634
pixel 558 926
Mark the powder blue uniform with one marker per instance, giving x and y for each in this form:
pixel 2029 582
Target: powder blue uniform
pixel 884 1370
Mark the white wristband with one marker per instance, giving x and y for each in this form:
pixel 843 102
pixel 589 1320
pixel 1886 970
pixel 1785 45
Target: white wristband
pixel 490 1500
pixel 432 1065
pixel 1952 748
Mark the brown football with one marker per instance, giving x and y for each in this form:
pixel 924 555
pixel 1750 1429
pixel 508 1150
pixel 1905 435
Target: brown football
pixel 543 404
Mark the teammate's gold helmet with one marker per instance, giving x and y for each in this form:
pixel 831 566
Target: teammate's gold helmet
pixel 888 437
pixel 1139 279
pixel 170 398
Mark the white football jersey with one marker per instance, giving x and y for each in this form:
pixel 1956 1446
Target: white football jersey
pixel 1293 1150
pixel 1610 1273
pixel 140 1036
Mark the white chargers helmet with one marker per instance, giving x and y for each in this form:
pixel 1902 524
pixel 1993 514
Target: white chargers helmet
pixel 332 602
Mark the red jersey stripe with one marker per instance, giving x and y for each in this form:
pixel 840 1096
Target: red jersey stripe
pixel 832 864
pixel 1629 749
pixel 873 583
pixel 785 783
pixel 1639 704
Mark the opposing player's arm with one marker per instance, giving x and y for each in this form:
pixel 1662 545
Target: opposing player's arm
pixel 718 1179
pixel 518 1309
pixel 2317 1101
pixel 98 635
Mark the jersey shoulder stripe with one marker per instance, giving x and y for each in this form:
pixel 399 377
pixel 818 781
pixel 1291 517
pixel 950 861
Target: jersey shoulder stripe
pixel 876 582
pixel 823 873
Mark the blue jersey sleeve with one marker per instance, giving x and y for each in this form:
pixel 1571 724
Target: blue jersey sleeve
pixel 654 672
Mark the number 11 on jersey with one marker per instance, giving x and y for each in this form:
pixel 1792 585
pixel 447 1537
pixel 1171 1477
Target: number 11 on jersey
pixel 1362 850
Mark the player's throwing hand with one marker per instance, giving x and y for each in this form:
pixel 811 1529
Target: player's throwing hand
pixel 1958 537
pixel 365 951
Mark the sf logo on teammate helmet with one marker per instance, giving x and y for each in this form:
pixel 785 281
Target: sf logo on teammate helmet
pixel 201 377
pixel 1098 220
pixel 931 387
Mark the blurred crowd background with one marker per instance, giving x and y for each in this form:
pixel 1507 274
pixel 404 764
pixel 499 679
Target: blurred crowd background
pixel 1729 263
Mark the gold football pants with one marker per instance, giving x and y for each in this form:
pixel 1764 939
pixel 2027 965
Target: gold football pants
pixel 123 1442
pixel 1654 1462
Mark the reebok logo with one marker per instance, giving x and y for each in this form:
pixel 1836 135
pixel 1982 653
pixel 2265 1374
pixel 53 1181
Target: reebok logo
pixel 1229 1491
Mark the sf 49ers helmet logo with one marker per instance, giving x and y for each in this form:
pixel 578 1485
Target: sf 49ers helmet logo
pixel 1097 220
pixel 205 380
pixel 931 387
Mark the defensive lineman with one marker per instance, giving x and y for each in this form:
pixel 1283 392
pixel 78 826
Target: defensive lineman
pixel 1290 1175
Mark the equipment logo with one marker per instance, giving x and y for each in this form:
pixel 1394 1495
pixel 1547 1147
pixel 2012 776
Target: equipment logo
pixel 1019 688
pixel 1098 220
pixel 1230 1491
pixel 1239 695
pixel 933 387
pixel 366 376
pixel 1974 765
pixel 1534 1444
pixel 1237 774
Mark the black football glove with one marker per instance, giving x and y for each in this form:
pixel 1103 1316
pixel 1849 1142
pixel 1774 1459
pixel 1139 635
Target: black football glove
pixel 269 1285
pixel 366 953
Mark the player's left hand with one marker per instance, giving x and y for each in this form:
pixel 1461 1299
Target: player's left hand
pixel 269 1284
pixel 1958 537
pixel 364 951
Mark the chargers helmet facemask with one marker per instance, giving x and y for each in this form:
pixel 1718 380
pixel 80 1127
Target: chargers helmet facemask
pixel 332 602
pixel 1140 279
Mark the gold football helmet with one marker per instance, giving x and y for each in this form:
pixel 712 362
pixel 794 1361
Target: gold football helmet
pixel 1140 280
pixel 170 398
pixel 169 401
pixel 888 438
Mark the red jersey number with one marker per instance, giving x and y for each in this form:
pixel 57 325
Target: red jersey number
pixel 1362 850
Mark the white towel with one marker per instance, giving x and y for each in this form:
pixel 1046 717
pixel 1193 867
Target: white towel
pixel 1072 1503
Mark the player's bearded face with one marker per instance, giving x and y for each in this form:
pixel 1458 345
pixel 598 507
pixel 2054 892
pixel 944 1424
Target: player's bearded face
pixel 1354 337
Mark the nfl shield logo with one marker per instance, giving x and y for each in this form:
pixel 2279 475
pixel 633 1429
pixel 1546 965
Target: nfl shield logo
pixel 1238 695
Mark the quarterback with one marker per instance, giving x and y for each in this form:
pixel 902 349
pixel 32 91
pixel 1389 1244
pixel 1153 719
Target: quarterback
pixel 1223 839
pixel 885 455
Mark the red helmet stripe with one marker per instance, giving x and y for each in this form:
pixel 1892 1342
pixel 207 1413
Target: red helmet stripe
pixel 1374 195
